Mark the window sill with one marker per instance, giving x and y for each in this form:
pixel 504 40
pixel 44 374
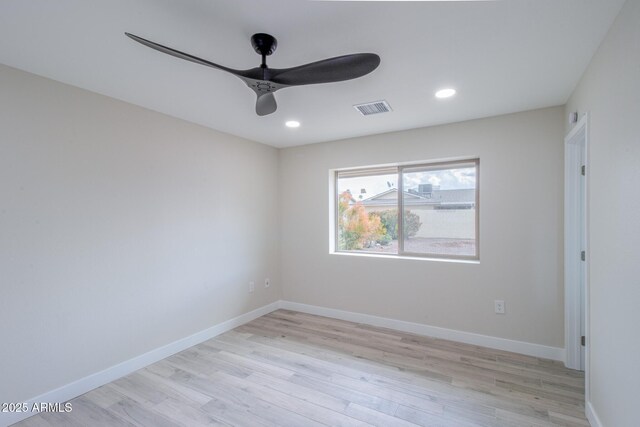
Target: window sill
pixel 391 256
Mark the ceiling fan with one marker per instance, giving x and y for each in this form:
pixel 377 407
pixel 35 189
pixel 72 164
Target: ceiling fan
pixel 264 81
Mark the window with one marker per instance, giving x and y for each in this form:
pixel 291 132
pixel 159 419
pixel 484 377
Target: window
pixel 421 210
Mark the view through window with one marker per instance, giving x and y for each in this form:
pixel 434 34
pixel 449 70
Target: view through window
pixel 438 206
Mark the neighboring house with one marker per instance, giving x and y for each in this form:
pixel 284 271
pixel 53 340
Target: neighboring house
pixel 443 213
pixel 427 196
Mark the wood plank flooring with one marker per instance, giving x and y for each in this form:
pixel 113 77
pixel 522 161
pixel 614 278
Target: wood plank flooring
pixel 295 369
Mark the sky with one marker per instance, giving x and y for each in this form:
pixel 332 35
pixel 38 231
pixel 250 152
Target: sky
pixel 448 179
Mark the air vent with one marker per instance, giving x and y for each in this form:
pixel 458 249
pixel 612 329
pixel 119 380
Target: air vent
pixel 373 108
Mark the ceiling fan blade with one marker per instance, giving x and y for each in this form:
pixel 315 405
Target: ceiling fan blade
pixel 266 104
pixel 182 55
pixel 328 70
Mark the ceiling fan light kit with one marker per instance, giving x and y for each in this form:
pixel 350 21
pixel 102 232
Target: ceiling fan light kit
pixel 264 81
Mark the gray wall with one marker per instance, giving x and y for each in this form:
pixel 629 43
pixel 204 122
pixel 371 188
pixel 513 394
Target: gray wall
pixel 121 230
pixel 610 92
pixel 521 216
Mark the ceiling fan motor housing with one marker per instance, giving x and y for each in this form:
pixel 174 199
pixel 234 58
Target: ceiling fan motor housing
pixel 264 44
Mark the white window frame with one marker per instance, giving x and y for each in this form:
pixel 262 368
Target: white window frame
pixel 399 170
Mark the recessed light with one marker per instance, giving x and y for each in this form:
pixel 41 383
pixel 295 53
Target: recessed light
pixel 292 124
pixel 445 93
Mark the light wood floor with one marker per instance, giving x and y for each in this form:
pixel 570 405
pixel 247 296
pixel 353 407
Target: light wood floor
pixel 294 369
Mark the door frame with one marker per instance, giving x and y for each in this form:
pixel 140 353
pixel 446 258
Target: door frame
pixel 575 232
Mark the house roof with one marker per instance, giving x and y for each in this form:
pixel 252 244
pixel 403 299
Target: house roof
pixel 467 195
pixel 436 197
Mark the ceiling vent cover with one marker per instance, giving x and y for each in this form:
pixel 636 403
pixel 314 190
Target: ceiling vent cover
pixel 370 108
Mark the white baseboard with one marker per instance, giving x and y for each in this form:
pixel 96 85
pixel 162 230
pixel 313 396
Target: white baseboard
pixel 86 384
pixel 537 350
pixel 592 416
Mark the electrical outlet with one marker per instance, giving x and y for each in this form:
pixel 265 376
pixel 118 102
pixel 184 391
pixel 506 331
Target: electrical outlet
pixel 267 282
pixel 499 306
pixel 252 286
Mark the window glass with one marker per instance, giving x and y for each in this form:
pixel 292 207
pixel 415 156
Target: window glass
pixel 439 216
pixel 367 212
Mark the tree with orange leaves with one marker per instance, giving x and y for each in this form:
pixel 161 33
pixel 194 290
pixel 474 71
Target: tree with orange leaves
pixel 356 228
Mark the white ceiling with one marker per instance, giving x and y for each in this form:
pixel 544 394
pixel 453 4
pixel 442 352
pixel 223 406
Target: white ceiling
pixel 502 57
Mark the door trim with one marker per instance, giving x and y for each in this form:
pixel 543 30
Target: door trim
pixel 575 142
